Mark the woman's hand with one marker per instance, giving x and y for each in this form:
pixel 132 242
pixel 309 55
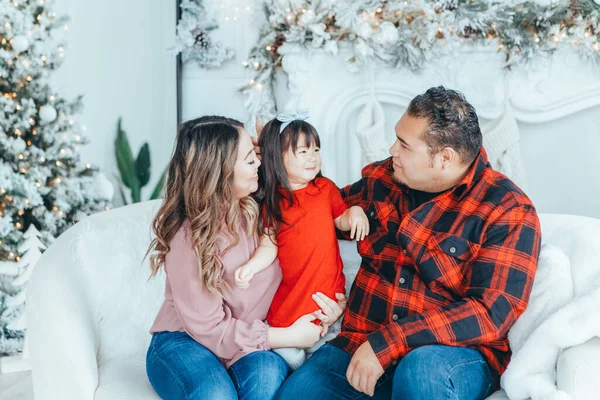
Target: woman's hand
pixel 330 310
pixel 303 333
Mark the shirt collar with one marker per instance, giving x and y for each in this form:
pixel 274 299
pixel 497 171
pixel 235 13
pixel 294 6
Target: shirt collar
pixel 473 174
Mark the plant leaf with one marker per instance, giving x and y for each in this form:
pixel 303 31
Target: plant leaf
pixel 159 186
pixel 142 165
pixel 124 158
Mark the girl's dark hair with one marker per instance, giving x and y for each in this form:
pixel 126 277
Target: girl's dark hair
pixel 274 185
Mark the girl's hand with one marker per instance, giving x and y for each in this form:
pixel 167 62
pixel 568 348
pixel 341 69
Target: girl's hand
pixel 330 310
pixel 359 223
pixel 304 332
pixel 242 276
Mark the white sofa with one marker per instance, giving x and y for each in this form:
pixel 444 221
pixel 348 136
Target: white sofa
pixel 90 306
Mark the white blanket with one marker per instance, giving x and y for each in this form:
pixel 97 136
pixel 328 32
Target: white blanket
pixel 554 321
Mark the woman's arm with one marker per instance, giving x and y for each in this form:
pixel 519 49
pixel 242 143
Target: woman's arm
pixel 263 257
pixel 204 315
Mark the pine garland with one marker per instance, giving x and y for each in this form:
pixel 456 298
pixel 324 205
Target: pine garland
pixel 407 34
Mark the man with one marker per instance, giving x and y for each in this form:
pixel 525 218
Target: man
pixel 446 270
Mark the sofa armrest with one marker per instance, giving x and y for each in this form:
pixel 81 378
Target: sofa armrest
pixel 60 329
pixel 577 370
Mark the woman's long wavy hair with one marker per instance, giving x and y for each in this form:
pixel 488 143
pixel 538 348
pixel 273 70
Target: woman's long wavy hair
pixel 200 189
pixel 274 185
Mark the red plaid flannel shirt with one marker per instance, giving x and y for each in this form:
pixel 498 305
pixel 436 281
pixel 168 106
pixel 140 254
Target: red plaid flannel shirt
pixel 456 271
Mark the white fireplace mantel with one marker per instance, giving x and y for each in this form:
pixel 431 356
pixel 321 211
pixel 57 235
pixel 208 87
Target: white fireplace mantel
pixel 555 102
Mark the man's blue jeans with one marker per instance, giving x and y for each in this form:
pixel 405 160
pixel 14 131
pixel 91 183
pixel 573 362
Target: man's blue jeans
pixel 428 373
pixel 179 368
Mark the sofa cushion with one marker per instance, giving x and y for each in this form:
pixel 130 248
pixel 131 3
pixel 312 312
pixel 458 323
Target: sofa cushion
pixel 124 378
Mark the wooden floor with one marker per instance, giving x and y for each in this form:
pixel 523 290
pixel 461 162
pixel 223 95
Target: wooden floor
pixel 16 386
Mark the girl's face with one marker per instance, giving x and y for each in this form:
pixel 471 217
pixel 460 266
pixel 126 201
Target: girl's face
pixel 245 174
pixel 304 165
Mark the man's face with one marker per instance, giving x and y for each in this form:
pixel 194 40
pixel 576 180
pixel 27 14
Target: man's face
pixel 413 166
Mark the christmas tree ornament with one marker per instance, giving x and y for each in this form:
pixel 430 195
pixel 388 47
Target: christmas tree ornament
pixel 20 43
pixel 48 113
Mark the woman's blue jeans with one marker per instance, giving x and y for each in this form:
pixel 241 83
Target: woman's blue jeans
pixel 179 368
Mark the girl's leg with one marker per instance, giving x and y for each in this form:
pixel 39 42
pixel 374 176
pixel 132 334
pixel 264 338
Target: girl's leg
pixel 178 368
pixel 293 356
pixel 258 375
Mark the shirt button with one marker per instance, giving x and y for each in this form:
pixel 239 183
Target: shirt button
pixel 394 362
pixel 404 251
pixel 395 317
pixel 372 214
pixel 452 250
pixel 402 280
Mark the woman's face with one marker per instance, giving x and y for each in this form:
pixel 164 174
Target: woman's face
pixel 245 174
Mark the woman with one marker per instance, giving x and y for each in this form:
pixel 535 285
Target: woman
pixel 209 339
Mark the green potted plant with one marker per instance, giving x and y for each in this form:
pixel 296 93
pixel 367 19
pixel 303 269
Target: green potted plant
pixel 135 173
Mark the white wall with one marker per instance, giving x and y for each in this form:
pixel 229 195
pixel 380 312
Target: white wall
pixel 558 148
pixel 116 56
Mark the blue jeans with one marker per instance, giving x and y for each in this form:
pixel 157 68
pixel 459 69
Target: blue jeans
pixel 428 373
pixel 178 367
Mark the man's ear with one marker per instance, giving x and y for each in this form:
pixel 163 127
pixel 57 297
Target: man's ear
pixel 449 157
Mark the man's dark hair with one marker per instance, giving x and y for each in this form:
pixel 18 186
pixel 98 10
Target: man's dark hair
pixel 452 122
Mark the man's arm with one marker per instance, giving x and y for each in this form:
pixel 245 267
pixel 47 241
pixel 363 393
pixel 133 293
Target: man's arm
pixel 496 295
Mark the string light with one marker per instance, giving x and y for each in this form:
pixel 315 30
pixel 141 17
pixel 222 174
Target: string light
pixel 88 166
pixel 58 163
pixel 21 156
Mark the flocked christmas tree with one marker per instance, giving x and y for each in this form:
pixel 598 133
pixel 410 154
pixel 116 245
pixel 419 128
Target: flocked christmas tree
pixel 42 179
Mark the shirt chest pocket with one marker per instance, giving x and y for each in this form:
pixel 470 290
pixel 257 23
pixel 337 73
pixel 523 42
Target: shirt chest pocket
pixel 444 264
pixel 383 220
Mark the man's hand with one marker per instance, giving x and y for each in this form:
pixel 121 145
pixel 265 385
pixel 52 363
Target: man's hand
pixel 259 127
pixel 330 311
pixel 364 369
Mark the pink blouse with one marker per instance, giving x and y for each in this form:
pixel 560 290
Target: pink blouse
pixel 230 326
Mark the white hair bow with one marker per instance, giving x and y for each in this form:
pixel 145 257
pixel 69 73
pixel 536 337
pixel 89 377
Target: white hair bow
pixel 288 116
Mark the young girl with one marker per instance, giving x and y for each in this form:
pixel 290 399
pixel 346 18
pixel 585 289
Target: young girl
pixel 300 210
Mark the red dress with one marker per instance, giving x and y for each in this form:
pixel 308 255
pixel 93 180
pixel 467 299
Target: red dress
pixel 308 252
